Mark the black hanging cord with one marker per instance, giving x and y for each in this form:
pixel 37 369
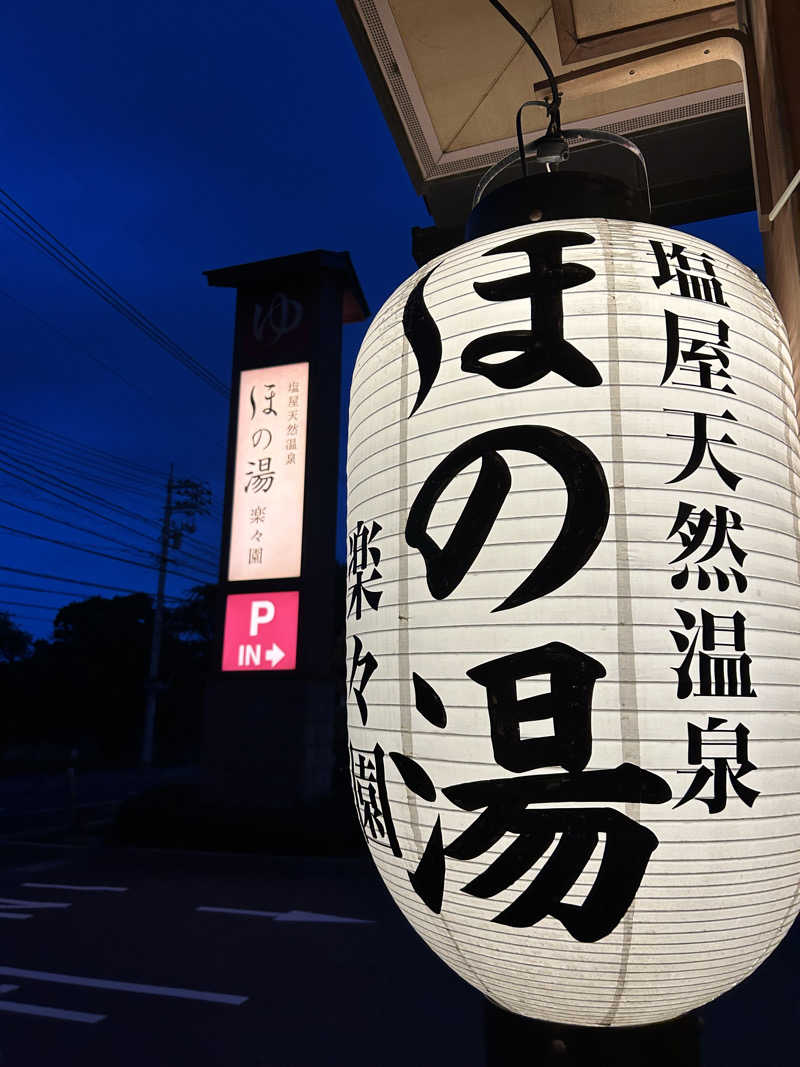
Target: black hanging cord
pixel 520 140
pixel 553 107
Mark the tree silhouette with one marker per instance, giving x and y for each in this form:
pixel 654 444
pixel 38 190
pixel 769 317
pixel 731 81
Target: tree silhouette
pixel 15 643
pixel 194 618
pixel 85 687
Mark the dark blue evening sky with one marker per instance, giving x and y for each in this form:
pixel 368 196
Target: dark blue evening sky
pixel 156 142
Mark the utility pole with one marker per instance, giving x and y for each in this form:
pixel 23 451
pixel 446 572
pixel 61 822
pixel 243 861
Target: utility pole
pixel 193 498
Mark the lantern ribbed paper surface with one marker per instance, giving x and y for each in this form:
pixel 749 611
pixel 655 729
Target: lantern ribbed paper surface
pixel 598 509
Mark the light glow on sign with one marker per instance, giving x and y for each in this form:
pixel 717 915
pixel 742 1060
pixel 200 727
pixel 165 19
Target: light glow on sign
pixel 260 632
pixel 573 605
pixel 269 475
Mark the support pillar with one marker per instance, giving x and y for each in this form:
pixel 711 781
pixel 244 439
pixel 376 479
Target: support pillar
pixel 775 29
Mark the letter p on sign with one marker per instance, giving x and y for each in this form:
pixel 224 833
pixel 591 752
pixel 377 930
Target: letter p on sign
pixel 261 612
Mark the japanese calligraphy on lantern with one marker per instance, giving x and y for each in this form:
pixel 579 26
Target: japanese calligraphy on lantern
pixel 573 594
pixel 269 475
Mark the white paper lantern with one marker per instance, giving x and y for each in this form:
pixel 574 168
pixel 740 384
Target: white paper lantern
pixel 647 456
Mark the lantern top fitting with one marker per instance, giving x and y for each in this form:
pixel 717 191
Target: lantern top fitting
pixel 551 195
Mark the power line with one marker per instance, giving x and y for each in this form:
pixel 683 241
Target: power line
pixel 29 618
pixel 92 551
pixel 76 504
pixel 190 559
pixel 73 581
pixel 27 604
pixel 77 489
pixel 86 466
pixel 77 347
pixel 38 235
pixel 161 474
pixel 42 456
pixel 72 592
pixel 83 273
pixel 200 551
pixel 74 526
pixel 96 533
pixel 212 550
pixel 207 561
pixel 24 452
pixel 35 448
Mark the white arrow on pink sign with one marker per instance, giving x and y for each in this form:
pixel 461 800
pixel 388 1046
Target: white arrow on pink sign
pixel 260 632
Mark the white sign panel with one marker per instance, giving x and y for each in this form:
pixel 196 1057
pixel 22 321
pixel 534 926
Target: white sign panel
pixel 269 474
pixel 573 606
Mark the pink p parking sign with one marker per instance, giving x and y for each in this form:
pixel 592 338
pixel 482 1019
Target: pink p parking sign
pixel 260 632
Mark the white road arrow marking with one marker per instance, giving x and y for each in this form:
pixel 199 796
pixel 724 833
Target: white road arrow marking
pixel 274 655
pixel 289 916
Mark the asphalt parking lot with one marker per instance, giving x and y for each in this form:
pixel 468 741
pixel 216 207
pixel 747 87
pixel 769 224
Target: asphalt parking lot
pixel 154 958
pixel 136 957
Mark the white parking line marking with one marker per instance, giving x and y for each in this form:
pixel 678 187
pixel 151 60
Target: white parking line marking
pixel 14 915
pixel 8 988
pixel 87 888
pixel 290 916
pixel 36 811
pixel 123 987
pixel 59 810
pixel 318 917
pixel 51 1013
pixel 47 865
pixel 242 911
pixel 15 902
pixel 51 845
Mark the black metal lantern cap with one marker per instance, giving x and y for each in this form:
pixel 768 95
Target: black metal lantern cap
pixel 548 197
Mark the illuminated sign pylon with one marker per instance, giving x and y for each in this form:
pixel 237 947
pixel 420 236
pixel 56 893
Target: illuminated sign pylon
pixel 278 613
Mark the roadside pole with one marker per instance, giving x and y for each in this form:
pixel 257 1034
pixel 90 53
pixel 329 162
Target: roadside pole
pixel 158 626
pixel 193 499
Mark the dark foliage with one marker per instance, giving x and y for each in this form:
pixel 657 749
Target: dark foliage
pixel 15 643
pixel 85 688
